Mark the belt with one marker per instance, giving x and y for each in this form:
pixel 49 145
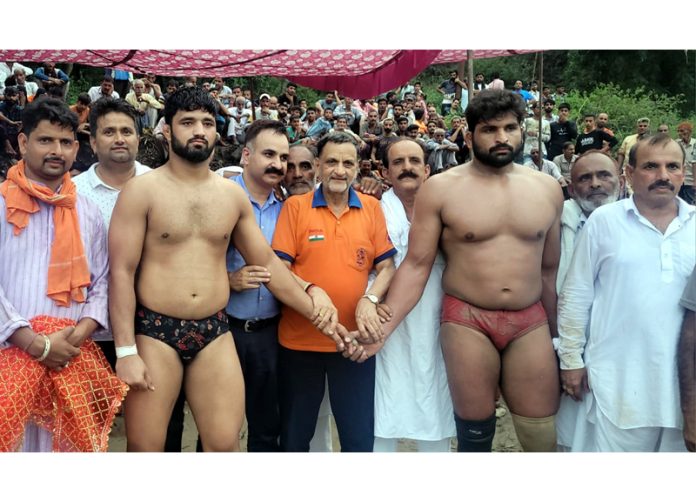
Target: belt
pixel 251 325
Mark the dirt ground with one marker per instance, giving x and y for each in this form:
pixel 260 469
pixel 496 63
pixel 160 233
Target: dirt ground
pixel 505 438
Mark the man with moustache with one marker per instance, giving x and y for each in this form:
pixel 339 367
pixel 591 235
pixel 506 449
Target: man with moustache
pixel 412 399
pixel 53 271
pixel 173 228
pixel 105 90
pixel 253 311
pixel 332 237
pixel 114 139
pixel 498 224
pixel 619 316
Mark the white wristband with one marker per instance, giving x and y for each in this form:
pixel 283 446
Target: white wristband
pixel 47 349
pixel 128 350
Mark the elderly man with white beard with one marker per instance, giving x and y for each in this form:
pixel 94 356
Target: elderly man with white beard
pixel 618 311
pixel 595 181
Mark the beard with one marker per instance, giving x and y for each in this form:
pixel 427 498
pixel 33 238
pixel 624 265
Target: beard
pixel 191 153
pixel 588 205
pixel 495 160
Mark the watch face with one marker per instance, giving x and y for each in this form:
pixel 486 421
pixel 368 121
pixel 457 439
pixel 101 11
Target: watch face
pixel 372 298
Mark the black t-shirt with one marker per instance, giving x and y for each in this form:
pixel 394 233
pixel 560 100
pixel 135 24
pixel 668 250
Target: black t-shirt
pixel 284 99
pixel 560 133
pixel 593 141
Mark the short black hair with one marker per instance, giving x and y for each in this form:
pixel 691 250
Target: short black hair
pixel 103 106
pixel 84 98
pixel 54 110
pixel 258 126
pixel 491 103
pixel 188 99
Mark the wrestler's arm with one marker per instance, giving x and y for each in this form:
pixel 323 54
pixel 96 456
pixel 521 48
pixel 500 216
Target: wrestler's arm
pixel 251 244
pixel 550 259
pixel 687 377
pixel 409 281
pixel 126 239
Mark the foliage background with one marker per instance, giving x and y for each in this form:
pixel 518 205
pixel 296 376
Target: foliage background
pixel 659 84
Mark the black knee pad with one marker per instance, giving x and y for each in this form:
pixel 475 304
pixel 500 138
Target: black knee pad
pixel 475 435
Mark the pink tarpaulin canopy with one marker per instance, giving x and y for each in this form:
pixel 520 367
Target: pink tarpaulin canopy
pixel 358 73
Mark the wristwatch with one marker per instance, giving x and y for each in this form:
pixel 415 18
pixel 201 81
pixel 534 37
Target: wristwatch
pixel 372 298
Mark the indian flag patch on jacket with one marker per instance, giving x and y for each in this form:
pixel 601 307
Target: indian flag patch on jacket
pixel 316 235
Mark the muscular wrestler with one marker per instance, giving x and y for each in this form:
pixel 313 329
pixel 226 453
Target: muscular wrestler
pixel 169 234
pixel 497 223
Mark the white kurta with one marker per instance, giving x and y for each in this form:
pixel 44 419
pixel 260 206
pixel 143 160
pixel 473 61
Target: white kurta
pixel 630 277
pixel 412 399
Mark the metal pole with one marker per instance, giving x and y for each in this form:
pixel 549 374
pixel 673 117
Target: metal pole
pixel 540 86
pixel 251 89
pixel 470 75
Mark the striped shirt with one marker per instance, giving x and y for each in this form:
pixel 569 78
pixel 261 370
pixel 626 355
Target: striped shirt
pixel 24 263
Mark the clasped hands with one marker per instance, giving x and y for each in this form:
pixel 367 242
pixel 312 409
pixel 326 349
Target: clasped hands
pixel 356 345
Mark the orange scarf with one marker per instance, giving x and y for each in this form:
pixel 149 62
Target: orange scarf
pixel 77 404
pixel 68 271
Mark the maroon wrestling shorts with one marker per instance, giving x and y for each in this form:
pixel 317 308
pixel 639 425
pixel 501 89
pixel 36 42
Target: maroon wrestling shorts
pixel 501 326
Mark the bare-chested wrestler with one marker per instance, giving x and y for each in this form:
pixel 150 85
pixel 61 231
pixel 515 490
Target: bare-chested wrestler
pixel 169 234
pixel 497 223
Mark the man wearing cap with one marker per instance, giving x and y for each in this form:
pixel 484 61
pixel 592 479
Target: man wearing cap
pixel 264 111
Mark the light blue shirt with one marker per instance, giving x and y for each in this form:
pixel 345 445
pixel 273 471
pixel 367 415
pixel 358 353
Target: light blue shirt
pixel 254 303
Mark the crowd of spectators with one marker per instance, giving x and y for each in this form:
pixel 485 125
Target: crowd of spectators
pixel 439 124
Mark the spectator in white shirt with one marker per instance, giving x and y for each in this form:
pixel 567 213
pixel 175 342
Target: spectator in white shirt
pixel 631 264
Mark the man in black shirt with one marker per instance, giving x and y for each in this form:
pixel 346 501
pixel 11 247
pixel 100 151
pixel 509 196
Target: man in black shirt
pixel 593 138
pixel 562 130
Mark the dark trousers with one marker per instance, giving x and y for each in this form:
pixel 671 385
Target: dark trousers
pixel 351 391
pixel 258 357
pixel 175 428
